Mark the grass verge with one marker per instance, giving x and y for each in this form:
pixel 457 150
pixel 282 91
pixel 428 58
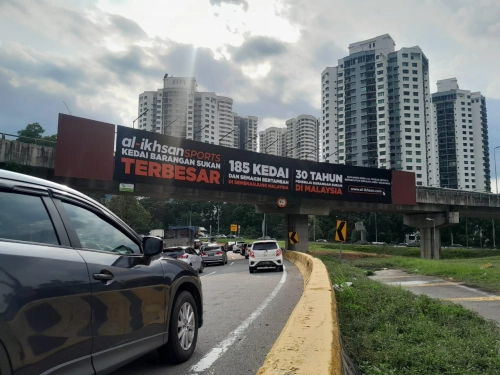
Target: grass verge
pixel 388 330
pixel 413 252
pixel 480 272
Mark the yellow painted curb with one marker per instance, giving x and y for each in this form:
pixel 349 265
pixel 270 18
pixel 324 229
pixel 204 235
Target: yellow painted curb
pixel 310 341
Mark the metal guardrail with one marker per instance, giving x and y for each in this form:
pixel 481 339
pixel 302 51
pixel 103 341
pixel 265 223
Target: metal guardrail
pixel 39 140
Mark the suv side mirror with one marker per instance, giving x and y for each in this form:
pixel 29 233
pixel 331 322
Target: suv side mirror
pixel 152 245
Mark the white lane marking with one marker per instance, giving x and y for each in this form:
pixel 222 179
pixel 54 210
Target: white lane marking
pixel 208 274
pixel 214 354
pixel 231 263
pixel 232 257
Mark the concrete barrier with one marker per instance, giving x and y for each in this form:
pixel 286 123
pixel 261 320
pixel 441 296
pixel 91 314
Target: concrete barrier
pixel 310 341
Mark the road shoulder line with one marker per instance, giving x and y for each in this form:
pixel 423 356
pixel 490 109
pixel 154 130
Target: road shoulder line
pixel 208 360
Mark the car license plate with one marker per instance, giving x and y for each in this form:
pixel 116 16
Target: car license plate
pixel 210 255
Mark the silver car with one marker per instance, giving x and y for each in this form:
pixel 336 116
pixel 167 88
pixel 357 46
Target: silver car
pixel 187 255
pixel 214 254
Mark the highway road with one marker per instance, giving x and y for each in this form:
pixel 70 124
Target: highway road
pixel 244 315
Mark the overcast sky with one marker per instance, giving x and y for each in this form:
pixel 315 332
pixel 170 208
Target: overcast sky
pixel 98 55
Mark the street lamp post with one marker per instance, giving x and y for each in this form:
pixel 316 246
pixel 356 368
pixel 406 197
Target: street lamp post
pixel 142 114
pixel 199 131
pixel 272 143
pixel 466 233
pixel 433 243
pixel 166 126
pixel 496 177
pixel 218 219
pixel 293 148
pixel 251 139
pixel 226 135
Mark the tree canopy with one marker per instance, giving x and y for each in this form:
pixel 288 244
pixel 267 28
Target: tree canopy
pixel 33 133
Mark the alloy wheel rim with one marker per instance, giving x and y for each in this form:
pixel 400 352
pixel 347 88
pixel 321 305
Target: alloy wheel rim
pixel 186 326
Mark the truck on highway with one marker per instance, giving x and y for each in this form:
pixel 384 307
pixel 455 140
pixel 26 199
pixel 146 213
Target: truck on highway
pixel 157 233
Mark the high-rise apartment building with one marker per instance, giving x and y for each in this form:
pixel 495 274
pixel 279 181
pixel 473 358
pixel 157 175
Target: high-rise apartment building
pixel 245 130
pixel 461 129
pixel 179 110
pixel 302 138
pixel 272 141
pixel 213 121
pixel 376 109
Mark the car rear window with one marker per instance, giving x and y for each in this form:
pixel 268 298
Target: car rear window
pixel 265 246
pixel 173 250
pixel 218 248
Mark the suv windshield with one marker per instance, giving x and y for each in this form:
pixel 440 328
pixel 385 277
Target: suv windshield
pixel 265 246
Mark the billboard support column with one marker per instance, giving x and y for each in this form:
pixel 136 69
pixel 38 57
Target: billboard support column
pixel 297 232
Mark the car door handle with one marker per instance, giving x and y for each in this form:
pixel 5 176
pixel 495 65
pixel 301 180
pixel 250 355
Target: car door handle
pixel 103 276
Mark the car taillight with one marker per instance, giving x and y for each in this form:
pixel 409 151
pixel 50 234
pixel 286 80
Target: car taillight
pixel 203 254
pixel 184 256
pixel 252 255
pixel 278 252
pixel 219 253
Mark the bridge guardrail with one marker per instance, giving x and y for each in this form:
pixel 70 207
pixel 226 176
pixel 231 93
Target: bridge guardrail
pixel 21 138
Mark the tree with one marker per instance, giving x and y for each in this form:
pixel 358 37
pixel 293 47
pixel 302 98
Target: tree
pixel 129 209
pixel 33 132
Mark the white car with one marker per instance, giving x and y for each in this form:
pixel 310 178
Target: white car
pixel 265 254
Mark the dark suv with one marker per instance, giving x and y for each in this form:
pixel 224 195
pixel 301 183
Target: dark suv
pixel 82 293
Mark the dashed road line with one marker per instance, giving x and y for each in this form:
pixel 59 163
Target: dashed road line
pixel 211 273
pixel 231 263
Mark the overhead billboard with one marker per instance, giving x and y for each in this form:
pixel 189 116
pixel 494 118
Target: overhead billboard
pixel 150 158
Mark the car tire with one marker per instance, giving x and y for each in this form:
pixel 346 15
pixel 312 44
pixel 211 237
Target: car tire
pixel 184 309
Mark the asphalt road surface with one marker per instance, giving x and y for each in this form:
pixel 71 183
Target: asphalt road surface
pixel 244 315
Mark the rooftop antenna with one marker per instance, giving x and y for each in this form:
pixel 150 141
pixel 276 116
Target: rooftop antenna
pixel 67 108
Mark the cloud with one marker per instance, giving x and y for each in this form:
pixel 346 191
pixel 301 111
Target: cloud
pixel 269 61
pixel 243 3
pixel 256 49
pixel 126 27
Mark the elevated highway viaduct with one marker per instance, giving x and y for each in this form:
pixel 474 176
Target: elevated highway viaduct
pixel 428 209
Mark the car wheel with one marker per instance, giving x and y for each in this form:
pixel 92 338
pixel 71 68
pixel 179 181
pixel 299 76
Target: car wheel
pixel 252 270
pixel 183 330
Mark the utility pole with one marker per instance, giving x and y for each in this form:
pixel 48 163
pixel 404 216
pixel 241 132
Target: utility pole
pixel 493 229
pixel 466 233
pixel 314 227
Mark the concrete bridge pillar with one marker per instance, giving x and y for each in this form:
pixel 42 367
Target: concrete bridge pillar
pixel 430 243
pixel 296 220
pixel 429 226
pixel 297 223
